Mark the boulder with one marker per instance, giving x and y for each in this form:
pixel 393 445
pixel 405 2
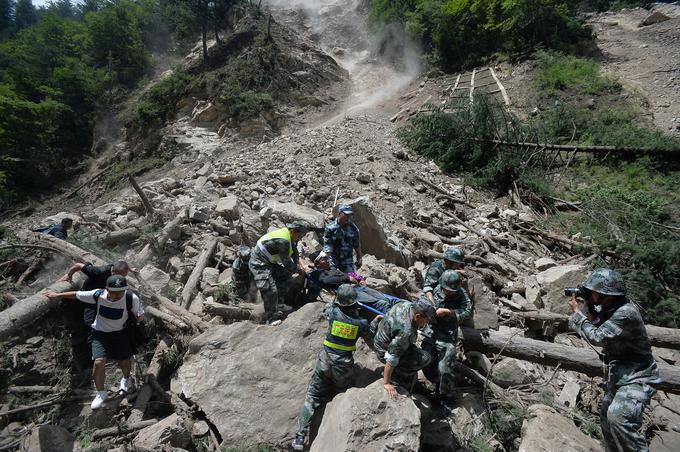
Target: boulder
pixel 510 372
pixel 227 208
pixel 484 301
pixel 532 291
pixel 209 277
pixel 654 18
pixel 375 239
pixel 367 419
pixel 258 372
pixel 205 112
pixel 49 438
pixel 171 431
pixel 157 278
pixel 288 211
pixel 554 280
pixel 664 413
pixel 544 263
pixel 545 430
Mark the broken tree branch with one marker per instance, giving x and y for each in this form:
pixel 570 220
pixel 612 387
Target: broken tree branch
pixel 190 287
pixel 226 311
pixel 122 429
pixel 443 192
pixel 144 395
pixel 150 212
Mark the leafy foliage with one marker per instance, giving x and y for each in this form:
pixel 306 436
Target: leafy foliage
pixel 465 32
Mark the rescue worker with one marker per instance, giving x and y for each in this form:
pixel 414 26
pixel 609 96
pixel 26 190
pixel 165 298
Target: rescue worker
pixel 341 239
pixel 452 305
pixel 395 343
pixel 454 259
pixel 334 370
pixel 58 230
pixel 241 277
pixel 273 260
pixel 631 371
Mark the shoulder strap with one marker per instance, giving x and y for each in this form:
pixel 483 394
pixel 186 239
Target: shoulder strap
pixel 128 301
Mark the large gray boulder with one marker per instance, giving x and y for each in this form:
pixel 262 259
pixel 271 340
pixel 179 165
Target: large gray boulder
pixel 554 280
pixel 228 208
pixel 375 239
pixel 157 278
pixel 288 211
pixel 367 419
pixel 250 380
pixel 49 438
pixel 545 430
pixel 171 431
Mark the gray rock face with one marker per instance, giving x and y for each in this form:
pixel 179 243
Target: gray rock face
pixel 510 372
pixel 258 375
pixel 374 239
pixel 170 431
pixel 484 299
pixel 544 263
pixel 288 211
pixel 548 431
pixel 49 438
pixel 368 420
pixel 553 282
pixel 227 208
pixel 156 278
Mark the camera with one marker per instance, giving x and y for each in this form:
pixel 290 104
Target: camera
pixel 578 291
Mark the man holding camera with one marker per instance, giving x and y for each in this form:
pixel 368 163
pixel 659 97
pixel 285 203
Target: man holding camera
pixel 605 317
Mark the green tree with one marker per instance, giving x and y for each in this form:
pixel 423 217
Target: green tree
pixel 24 14
pixel 6 15
pixel 62 8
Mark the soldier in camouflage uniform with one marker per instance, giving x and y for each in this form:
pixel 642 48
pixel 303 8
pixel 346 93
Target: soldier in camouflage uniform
pixel 334 370
pixel 272 262
pixel 626 350
pixel 395 343
pixel 341 239
pixel 454 259
pixel 452 305
pixel 241 277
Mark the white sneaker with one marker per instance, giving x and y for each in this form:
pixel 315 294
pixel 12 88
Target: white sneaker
pixel 126 385
pixel 99 399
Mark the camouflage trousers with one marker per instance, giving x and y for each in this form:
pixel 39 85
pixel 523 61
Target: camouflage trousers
pixel 621 417
pixel 410 363
pixel 333 374
pixel 241 278
pixel 272 281
pixel 441 369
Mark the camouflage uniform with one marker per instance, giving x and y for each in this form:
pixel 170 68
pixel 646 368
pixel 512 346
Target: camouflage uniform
pixel 339 242
pixel 440 338
pixel 272 262
pixel 241 277
pixel 438 267
pixel 631 370
pixel 395 344
pixel 334 370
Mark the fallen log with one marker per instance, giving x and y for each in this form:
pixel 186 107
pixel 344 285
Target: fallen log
pixel 32 389
pixel 146 391
pixel 443 192
pixel 169 320
pixel 226 311
pixel 583 360
pixel 121 237
pixel 122 429
pixel 8 299
pixel 172 230
pixel 659 336
pixel 189 290
pixel 150 212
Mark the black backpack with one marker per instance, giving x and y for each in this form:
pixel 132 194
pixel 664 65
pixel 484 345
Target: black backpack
pixel 135 330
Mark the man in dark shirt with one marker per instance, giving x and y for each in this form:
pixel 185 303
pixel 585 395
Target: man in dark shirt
pixel 58 230
pixel 79 316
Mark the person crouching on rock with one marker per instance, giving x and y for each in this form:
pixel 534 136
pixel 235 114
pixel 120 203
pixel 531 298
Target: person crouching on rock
pixel 334 370
pixel 395 343
pixel 110 339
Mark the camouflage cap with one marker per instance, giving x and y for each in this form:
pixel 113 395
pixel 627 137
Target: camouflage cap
pixel 424 307
pixel 454 254
pixel 606 282
pixel 450 280
pixel 346 295
pixel 300 225
pixel 346 209
pixel 244 252
pixel 116 283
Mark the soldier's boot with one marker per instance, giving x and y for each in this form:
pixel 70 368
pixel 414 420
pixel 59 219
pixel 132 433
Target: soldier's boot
pixel 298 443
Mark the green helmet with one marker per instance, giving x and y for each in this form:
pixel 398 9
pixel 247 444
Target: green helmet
pixel 606 282
pixel 300 225
pixel 424 307
pixel 346 295
pixel 454 254
pixel 450 280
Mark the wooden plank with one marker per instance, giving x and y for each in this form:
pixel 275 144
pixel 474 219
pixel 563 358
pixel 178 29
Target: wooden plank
pixel 455 86
pixel 472 84
pixel 500 86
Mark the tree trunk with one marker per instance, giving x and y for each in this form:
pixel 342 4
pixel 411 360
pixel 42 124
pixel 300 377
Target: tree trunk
pixel 154 369
pixel 190 287
pixel 226 311
pixel 659 336
pixel 121 237
pixel 583 360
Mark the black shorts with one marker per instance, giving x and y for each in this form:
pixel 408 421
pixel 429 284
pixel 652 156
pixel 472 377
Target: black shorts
pixel 115 345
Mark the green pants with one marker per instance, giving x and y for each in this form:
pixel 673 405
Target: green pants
pixel 272 281
pixel 333 374
pixel 441 369
pixel 621 417
pixel 410 363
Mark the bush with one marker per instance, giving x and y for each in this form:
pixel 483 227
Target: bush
pixel 465 32
pixel 557 71
pixel 159 103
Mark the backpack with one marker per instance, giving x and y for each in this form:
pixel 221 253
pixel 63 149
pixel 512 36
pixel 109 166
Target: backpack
pixel 135 330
